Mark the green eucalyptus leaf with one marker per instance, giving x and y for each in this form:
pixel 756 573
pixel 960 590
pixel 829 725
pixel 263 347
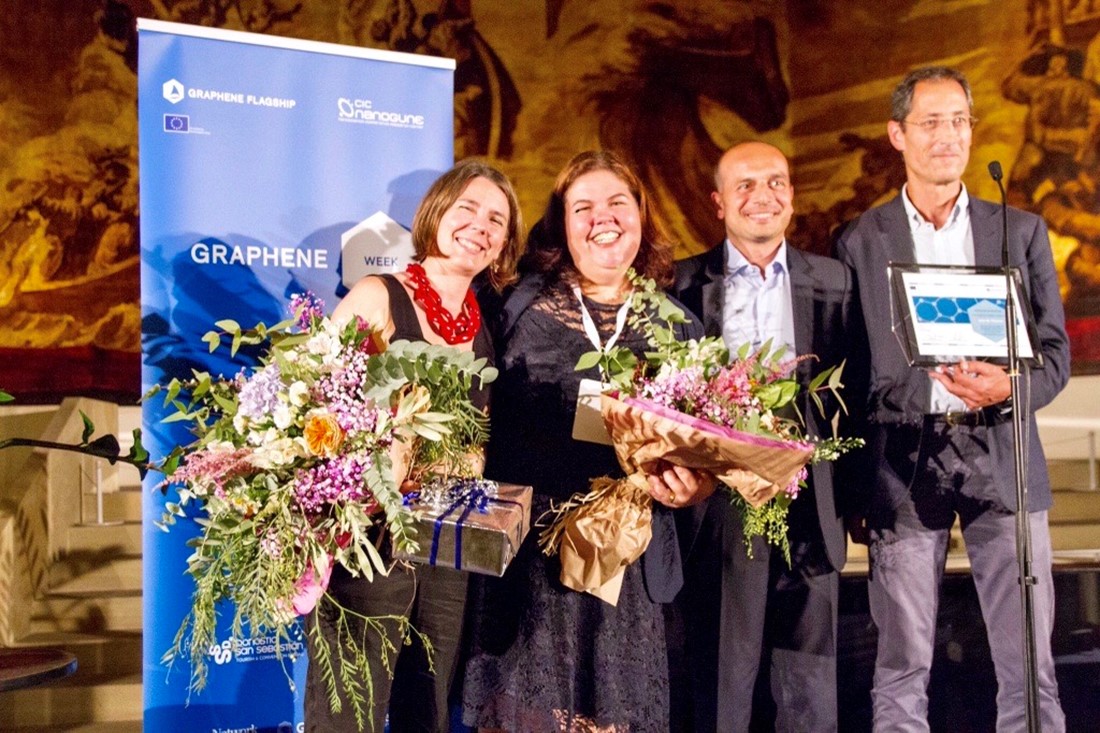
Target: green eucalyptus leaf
pixel 488 375
pixel 172 391
pixel 202 387
pixel 669 311
pixel 227 404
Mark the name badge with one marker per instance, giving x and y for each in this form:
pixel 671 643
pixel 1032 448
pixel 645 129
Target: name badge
pixel 588 421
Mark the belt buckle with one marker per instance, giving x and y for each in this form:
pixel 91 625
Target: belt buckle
pixel 962 418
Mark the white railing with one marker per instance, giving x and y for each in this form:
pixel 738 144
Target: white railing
pixel 42 495
pixel 1090 426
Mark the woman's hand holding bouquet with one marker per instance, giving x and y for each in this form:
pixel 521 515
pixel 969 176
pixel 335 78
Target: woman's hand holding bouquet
pixel 695 404
pixel 298 467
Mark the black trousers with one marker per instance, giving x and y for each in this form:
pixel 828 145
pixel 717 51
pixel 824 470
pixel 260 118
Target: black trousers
pixel 434 600
pixel 741 618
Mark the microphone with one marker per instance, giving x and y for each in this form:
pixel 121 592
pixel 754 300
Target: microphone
pixel 997 175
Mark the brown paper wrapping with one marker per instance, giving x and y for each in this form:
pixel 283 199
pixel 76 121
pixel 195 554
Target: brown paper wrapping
pixel 489 541
pixel 760 468
pixel 596 536
pixel 599 538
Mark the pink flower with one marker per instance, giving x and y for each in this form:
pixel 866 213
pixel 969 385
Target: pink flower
pixel 209 470
pixel 795 485
pixel 311 586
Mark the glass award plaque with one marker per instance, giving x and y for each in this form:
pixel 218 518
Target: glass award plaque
pixel 943 314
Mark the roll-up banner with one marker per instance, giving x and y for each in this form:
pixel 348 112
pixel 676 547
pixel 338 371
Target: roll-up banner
pixel 268 167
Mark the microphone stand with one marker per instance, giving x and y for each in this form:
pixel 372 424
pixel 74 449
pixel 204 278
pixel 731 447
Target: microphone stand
pixel 1023 526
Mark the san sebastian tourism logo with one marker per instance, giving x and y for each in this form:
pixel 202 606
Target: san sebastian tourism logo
pixel 257 649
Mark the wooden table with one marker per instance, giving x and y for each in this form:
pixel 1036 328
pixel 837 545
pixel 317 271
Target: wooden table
pixel 26 666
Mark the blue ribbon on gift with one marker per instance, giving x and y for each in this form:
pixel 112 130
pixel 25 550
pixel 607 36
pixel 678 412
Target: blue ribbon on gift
pixel 470 499
pixel 473 498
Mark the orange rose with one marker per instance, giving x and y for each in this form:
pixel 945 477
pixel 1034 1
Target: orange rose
pixel 323 434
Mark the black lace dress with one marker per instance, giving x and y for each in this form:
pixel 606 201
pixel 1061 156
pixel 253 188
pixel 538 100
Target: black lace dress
pixel 542 657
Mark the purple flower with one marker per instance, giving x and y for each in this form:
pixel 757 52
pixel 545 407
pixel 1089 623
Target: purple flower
pixel 259 394
pixel 306 308
pixel 341 393
pixel 336 481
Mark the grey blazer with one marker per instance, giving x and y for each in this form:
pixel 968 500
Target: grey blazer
pixel 899 394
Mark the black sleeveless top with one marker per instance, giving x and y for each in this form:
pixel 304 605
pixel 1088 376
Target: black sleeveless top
pixel 407 326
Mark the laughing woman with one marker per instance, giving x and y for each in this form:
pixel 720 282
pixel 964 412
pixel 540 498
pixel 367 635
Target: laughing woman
pixel 469 221
pixel 542 657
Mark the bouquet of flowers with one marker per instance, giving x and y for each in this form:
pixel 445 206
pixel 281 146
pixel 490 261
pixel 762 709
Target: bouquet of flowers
pixel 696 404
pixel 298 466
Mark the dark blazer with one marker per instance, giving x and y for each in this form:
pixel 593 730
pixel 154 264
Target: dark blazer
pixel 899 394
pixel 828 324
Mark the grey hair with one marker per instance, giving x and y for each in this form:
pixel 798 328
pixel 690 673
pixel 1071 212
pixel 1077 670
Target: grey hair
pixel 901 101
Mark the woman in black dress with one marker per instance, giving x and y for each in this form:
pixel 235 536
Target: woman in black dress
pixel 469 221
pixel 543 657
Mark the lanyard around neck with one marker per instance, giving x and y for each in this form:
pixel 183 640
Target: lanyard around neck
pixel 590 325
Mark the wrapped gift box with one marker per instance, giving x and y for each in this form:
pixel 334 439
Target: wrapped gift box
pixel 471 525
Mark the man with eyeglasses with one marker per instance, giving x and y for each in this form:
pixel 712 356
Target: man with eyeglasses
pixel 940 441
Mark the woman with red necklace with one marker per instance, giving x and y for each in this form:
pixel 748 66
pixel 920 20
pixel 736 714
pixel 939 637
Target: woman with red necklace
pixel 469 221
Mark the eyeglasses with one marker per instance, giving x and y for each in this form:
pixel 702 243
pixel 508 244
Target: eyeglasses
pixel 932 124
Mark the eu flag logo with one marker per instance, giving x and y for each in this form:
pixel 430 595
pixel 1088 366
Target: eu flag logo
pixel 176 123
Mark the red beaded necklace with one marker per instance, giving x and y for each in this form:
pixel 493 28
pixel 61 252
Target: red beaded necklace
pixel 452 329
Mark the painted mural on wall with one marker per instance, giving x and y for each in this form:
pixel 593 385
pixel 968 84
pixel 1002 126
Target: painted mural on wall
pixel 670 85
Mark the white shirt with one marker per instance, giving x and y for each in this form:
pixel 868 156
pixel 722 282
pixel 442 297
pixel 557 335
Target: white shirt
pixel 757 308
pixel 953 244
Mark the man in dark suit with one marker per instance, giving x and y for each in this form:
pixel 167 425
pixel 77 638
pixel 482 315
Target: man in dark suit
pixel 941 439
pixel 753 288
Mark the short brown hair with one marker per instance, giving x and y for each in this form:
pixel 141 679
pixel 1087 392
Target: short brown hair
pixel 442 194
pixel 549 253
